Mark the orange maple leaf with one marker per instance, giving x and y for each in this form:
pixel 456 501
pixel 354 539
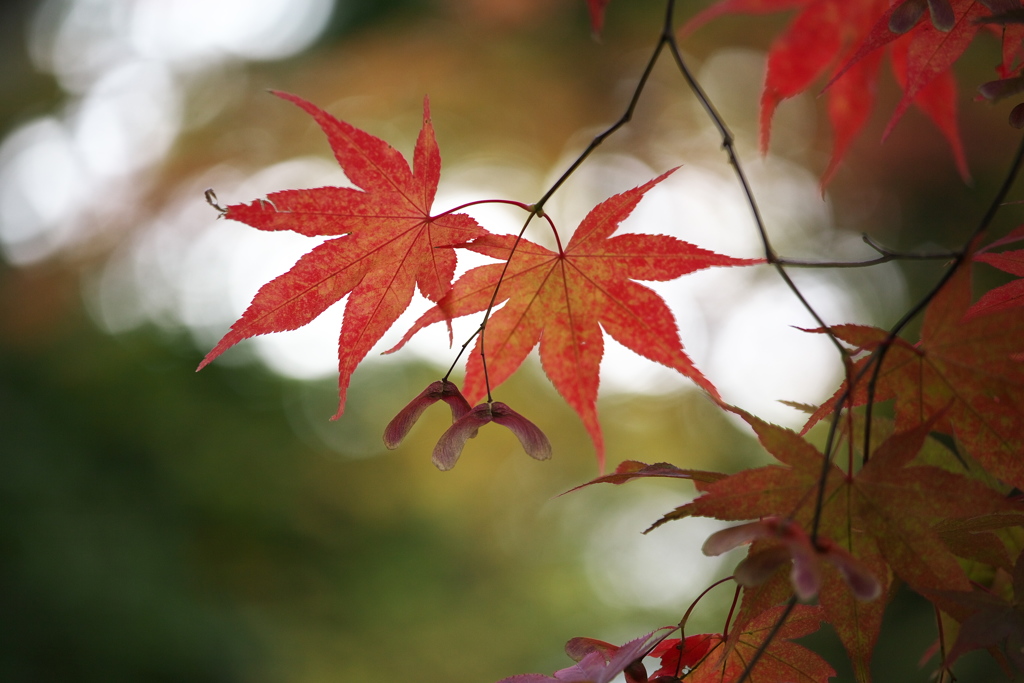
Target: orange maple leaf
pixel 385 243
pixel 971 368
pixel 563 299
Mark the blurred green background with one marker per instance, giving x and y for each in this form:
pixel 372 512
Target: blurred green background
pixel 163 525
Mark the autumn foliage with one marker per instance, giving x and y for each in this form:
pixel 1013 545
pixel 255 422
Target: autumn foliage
pixel 918 482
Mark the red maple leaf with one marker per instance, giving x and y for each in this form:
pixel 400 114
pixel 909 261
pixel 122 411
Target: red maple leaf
pixel 679 655
pixel 1010 295
pixel 846 38
pixel 782 660
pixel 597 14
pixel 563 299
pixel 384 243
pixel 967 369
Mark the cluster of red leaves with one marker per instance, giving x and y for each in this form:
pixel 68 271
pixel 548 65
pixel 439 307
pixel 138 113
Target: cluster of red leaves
pixel 846 41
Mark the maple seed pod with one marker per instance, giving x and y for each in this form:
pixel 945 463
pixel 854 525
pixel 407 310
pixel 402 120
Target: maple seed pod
pixel 795 545
pixel 756 568
pixel 442 390
pixel 451 443
pixel 733 537
pixel 1017 116
pixel 906 16
pixel 636 672
pixel 862 582
pixel 578 648
pixel 942 15
pixel 1004 87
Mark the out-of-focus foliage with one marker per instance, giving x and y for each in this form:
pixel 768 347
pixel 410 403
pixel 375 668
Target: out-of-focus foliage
pixel 164 525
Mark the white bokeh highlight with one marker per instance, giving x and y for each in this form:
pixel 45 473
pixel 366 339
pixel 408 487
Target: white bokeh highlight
pixel 125 66
pixel 659 570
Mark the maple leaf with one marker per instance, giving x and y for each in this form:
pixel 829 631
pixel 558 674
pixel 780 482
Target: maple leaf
pixel 1010 295
pixel 384 243
pixel 597 661
pixel 969 368
pixel 974 538
pixel 884 516
pixel 993 623
pixel 563 299
pixel 845 37
pixel 629 470
pixel 681 655
pixel 782 660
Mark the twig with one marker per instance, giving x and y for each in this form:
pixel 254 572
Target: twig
pixel 875 361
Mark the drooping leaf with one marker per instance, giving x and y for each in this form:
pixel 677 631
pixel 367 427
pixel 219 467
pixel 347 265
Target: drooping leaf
pixel 977 538
pixel 384 243
pixel 628 470
pixel 563 299
pixel 847 40
pixel 850 100
pixel 922 66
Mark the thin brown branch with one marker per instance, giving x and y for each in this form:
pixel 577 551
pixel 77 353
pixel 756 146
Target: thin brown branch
pixel 876 359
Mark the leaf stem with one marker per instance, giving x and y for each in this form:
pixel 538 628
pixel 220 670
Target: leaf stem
pixel 728 144
pixel 732 609
pixel 689 610
pixel 482 330
pixel 462 350
pixel 522 205
pixel 626 117
pixel 943 669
